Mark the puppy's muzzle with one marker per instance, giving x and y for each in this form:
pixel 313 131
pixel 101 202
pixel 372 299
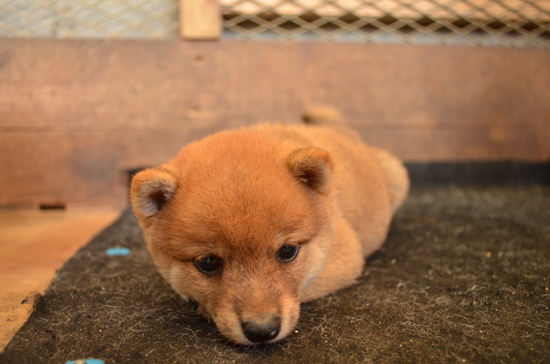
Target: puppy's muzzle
pixel 261 329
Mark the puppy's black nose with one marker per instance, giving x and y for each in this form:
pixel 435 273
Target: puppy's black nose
pixel 261 329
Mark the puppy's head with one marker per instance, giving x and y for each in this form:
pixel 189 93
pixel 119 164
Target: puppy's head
pixel 240 226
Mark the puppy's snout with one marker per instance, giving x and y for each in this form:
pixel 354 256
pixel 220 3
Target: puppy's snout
pixel 261 329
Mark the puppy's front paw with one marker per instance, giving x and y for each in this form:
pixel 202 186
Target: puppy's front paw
pixel 204 313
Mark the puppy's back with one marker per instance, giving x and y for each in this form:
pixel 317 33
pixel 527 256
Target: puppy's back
pixel 394 171
pixel 359 187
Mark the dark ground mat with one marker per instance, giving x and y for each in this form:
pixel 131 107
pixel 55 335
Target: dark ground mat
pixel 479 174
pixel 463 277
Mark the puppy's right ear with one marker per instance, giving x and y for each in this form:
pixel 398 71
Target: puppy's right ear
pixel 151 189
pixel 311 166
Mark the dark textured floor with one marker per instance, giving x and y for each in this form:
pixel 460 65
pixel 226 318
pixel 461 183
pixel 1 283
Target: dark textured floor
pixel 463 277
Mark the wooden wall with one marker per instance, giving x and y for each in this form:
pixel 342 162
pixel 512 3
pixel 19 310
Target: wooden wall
pixel 75 115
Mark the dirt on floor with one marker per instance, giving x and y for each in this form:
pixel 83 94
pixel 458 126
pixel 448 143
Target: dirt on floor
pixel 463 277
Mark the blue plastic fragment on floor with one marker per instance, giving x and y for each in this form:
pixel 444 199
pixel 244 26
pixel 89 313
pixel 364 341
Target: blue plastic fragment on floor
pixel 117 251
pixel 85 361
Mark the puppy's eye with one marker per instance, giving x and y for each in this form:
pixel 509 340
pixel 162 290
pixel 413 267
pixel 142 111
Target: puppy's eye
pixel 209 265
pixel 288 253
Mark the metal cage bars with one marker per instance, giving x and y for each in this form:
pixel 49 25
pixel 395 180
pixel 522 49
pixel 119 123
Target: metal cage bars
pixel 496 22
pixel 89 18
pixel 509 23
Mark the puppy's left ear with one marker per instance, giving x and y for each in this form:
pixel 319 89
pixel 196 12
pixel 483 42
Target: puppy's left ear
pixel 312 166
pixel 151 190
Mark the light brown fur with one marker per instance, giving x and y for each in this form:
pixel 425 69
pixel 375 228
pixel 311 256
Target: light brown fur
pixel 240 196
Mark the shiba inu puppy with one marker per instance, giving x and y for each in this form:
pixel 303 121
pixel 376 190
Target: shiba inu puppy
pixel 249 223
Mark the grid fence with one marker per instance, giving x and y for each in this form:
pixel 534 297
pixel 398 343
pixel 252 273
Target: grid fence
pixel 89 18
pixel 509 23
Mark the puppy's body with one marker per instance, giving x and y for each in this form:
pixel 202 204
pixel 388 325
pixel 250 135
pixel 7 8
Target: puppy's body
pixel 250 223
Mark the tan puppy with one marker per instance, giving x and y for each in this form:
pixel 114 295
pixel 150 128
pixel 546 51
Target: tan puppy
pixel 250 223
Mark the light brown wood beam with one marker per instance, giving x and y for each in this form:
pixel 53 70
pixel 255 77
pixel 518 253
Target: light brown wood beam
pixel 200 19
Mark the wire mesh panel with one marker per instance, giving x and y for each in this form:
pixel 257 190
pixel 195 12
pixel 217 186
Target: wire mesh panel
pixel 510 23
pixel 516 23
pixel 89 18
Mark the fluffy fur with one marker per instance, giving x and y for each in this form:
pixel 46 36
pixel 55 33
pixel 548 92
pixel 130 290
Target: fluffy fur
pixel 238 201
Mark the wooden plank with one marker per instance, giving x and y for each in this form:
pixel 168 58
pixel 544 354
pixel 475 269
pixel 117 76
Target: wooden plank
pixel 81 168
pixel 459 145
pixel 76 115
pixel 90 168
pixel 200 19
pixel 116 84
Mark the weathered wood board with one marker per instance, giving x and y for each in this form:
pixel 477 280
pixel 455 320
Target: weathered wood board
pixel 200 19
pixel 76 114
